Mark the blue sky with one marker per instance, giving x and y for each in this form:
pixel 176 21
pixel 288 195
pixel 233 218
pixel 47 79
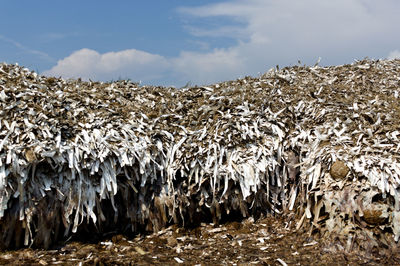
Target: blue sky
pixel 174 42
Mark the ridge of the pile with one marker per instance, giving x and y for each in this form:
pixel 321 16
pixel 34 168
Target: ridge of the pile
pixel 320 142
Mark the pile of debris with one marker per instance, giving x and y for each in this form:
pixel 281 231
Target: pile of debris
pixel 321 143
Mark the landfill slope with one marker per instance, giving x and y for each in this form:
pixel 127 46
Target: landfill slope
pixel 318 143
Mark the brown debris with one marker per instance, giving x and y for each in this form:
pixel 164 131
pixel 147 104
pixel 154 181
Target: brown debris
pixel 376 214
pixel 261 242
pixel 339 170
pixel 30 155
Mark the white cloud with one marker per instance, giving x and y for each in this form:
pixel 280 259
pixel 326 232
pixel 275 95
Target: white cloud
pixel 394 55
pixel 268 33
pixel 226 31
pixel 89 64
pixel 204 68
pixel 282 32
pixel 195 67
pixel 303 25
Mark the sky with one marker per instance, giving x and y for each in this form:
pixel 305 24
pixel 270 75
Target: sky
pixel 197 42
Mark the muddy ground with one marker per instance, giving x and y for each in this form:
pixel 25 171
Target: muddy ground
pixel 267 241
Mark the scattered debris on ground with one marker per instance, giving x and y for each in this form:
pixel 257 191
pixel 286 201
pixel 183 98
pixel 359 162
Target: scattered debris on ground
pixel 267 241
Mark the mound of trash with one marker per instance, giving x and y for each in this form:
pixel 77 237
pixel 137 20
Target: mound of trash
pixel 318 143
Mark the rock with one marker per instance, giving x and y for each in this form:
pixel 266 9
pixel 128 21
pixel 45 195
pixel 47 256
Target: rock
pixel 117 238
pixel 339 170
pixel 172 242
pixel 376 213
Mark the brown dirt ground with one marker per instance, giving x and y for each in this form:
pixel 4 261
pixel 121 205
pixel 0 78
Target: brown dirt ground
pixel 267 241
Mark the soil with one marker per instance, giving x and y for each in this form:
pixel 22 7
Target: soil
pixel 267 241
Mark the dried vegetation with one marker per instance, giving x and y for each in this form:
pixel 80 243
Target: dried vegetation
pixel 320 144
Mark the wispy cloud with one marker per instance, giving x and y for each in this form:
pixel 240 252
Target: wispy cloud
pixel 26 49
pixel 235 32
pixel 199 44
pixel 56 36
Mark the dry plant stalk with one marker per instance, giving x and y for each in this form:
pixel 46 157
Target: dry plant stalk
pixel 322 142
